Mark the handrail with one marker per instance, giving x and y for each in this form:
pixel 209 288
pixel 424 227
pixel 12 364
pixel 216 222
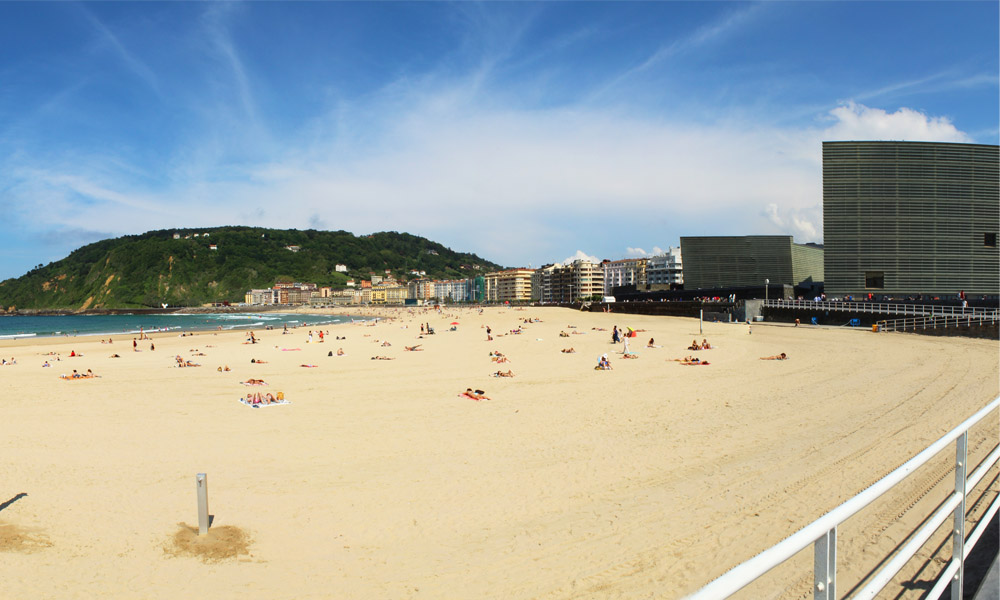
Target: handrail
pixel 822 531
pixel 882 307
pixel 935 321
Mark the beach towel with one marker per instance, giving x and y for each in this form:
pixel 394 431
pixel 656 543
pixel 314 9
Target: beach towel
pixel 464 395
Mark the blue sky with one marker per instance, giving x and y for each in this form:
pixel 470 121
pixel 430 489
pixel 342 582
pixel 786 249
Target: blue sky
pixel 527 133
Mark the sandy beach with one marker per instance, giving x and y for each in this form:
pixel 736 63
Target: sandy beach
pixel 379 480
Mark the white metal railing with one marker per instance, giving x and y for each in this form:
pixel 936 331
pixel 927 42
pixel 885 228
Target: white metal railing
pixel 935 321
pixel 822 533
pixel 921 310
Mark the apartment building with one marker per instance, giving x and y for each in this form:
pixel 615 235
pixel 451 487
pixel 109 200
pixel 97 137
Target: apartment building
pixel 580 279
pixel 512 285
pixel 665 269
pixel 630 271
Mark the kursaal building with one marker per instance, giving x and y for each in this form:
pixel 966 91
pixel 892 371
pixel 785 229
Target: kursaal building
pixel 908 218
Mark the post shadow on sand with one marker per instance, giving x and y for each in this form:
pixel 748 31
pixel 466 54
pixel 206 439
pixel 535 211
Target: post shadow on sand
pixel 12 500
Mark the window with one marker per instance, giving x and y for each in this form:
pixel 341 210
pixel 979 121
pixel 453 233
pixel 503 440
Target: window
pixel 990 240
pixel 874 280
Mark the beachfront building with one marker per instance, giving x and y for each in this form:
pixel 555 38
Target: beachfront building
pixel 420 289
pixel 294 292
pixel 477 288
pixel 388 293
pixel 630 271
pixel 578 280
pixel 910 218
pixel 395 294
pixel 665 270
pixel 511 285
pixel 452 290
pixel 260 297
pixel 747 261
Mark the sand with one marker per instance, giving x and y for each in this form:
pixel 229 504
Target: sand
pixel 379 481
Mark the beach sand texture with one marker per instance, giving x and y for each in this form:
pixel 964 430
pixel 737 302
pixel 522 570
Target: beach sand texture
pixel 380 481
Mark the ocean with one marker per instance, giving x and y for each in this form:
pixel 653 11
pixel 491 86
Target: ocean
pixel 15 327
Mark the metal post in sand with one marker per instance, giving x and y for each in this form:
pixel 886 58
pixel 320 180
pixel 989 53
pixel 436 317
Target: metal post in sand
pixel 202 481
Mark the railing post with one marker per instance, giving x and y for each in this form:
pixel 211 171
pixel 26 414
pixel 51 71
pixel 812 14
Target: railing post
pixel 958 536
pixel 202 485
pixel 825 566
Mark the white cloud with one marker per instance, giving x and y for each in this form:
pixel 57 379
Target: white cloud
pixel 859 122
pixel 580 255
pixel 516 186
pixel 639 252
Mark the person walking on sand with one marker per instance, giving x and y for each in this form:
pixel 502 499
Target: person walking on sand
pixel 135 345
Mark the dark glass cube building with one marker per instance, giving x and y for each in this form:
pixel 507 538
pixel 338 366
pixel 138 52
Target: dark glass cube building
pixel 908 218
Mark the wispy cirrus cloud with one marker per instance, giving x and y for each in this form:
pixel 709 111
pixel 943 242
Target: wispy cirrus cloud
pixel 132 62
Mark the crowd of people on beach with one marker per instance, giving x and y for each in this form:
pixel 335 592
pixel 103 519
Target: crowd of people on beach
pixel 619 336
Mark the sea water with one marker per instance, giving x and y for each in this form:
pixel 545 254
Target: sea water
pixel 15 327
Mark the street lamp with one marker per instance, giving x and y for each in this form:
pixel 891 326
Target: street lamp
pixel 766 282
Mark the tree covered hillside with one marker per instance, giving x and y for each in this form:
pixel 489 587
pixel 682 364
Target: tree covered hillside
pixel 153 268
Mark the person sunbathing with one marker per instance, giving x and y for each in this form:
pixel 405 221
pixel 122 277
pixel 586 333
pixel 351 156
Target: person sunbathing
pixel 384 344
pixel 253 381
pixel 563 334
pixel 381 358
pixel 475 394
pixel 416 348
pixel 694 360
pixel 694 345
pixel 630 355
pixel 568 351
pixel 651 344
pixel 115 356
pixel 191 364
pixel 340 351
pixel 507 373
pixel 781 356
pixel 603 364
pixel 705 345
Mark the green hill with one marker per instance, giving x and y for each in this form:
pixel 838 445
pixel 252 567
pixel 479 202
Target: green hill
pixel 153 268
